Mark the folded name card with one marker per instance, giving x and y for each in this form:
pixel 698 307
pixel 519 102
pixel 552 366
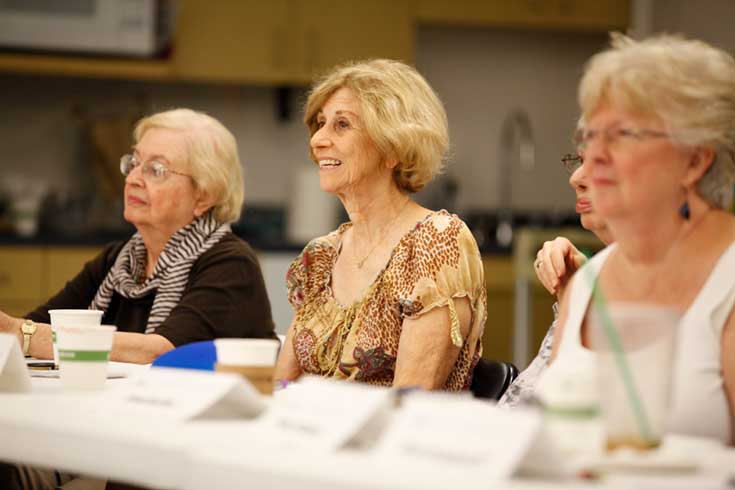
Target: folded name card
pixel 324 415
pixel 14 375
pixel 458 435
pixel 183 394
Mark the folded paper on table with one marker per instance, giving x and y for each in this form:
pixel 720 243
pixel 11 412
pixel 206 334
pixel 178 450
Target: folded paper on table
pixel 460 434
pixel 183 394
pixel 14 375
pixel 324 415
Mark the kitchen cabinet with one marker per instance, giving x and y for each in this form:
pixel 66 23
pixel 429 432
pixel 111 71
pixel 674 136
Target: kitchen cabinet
pixel 286 41
pixel 334 32
pixel 29 275
pixel 62 264
pixel 21 278
pixel 583 15
pixel 278 42
pixel 497 340
pixel 236 40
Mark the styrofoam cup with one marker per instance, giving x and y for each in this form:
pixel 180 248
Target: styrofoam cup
pixel 71 318
pixel 254 359
pixel 84 352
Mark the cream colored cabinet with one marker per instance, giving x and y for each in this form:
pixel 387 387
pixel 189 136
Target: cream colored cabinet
pixel 21 278
pixel 597 15
pixel 236 40
pixel 334 32
pixel 29 275
pixel 286 41
pixel 497 340
pixel 62 264
pixel 290 41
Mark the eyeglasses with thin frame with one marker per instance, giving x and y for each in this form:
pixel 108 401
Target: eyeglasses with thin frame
pixel 571 162
pixel 618 136
pixel 153 170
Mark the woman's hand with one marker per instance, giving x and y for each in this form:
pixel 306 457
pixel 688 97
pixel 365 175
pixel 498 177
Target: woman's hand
pixel 9 324
pixel 556 263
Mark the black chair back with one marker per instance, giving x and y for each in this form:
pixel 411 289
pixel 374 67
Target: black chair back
pixel 490 379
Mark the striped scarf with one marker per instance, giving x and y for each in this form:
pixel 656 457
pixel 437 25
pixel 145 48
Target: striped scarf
pixel 170 275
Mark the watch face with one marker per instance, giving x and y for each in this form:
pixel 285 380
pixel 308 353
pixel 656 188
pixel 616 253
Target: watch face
pixel 28 327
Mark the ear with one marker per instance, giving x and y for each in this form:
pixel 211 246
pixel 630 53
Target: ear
pixel 391 161
pixel 700 161
pixel 203 203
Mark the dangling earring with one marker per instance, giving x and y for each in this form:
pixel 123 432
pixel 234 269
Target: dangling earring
pixel 684 211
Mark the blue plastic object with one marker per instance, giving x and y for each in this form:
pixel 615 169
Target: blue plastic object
pixel 197 355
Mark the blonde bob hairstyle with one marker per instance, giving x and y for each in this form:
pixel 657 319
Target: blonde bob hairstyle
pixel 687 85
pixel 212 157
pixel 401 114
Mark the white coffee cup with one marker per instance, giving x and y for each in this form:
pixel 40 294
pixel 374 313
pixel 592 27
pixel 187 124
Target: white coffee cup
pixel 254 359
pixel 71 318
pixel 84 353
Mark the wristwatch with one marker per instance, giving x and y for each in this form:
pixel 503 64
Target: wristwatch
pixel 28 328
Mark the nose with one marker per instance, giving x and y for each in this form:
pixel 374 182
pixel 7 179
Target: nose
pixel 578 179
pixel 135 177
pixel 320 139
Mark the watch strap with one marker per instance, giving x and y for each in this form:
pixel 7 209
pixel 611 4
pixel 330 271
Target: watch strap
pixel 27 334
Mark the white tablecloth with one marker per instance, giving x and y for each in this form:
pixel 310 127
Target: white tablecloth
pixel 80 432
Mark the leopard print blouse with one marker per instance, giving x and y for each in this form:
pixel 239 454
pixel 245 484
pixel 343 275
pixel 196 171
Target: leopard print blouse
pixel 434 262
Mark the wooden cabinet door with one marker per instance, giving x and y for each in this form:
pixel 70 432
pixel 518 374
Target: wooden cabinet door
pixel 584 15
pixel 21 279
pixel 62 264
pixel 334 32
pixel 235 40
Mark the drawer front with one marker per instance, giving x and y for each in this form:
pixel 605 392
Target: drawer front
pixel 21 274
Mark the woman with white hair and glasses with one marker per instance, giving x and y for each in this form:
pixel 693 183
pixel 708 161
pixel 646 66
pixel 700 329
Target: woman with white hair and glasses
pixel 555 264
pixel 659 144
pixel 184 276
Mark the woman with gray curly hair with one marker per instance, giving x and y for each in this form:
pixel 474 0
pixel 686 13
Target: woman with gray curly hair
pixel 659 141
pixel 396 296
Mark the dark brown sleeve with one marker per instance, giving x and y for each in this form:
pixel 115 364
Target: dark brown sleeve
pixel 79 292
pixel 225 297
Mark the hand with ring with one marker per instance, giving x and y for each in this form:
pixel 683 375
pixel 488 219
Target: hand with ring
pixel 555 264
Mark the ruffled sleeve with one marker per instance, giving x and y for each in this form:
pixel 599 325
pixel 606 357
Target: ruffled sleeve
pixel 447 265
pixel 296 276
pixel 310 272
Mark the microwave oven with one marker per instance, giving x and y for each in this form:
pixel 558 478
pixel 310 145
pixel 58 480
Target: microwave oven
pixel 138 28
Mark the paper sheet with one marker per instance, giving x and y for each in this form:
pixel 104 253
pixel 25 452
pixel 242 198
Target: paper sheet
pixel 13 371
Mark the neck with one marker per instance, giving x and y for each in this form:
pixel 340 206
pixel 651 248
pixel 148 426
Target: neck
pixel 649 238
pixel 154 241
pixel 371 210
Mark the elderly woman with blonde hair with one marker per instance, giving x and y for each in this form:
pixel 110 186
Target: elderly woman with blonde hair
pixel 183 276
pixel 396 295
pixel 659 141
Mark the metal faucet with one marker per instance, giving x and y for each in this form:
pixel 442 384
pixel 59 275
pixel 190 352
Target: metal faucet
pixel 515 135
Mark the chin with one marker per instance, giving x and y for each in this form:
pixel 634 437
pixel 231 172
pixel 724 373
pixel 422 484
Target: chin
pixel 591 222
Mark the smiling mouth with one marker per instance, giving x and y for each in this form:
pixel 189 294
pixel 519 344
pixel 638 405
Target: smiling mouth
pixel 329 163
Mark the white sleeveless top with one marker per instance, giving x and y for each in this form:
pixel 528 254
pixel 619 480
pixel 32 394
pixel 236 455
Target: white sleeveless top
pixel 699 402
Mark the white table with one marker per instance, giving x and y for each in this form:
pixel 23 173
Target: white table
pixel 77 432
